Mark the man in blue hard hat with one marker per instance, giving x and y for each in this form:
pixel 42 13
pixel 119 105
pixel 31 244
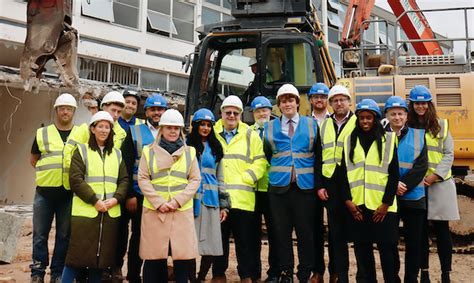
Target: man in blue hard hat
pixel 138 136
pixel 318 97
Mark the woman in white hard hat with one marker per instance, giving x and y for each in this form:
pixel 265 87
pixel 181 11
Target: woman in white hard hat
pixel 168 176
pixel 99 180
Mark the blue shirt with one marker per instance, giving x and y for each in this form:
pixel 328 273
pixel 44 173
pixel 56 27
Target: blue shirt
pixel 126 124
pixel 229 135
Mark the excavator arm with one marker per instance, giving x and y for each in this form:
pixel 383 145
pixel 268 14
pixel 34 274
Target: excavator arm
pixel 49 36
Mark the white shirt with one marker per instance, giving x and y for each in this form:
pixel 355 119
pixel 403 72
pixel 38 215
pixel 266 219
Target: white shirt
pixel 285 126
pixel 339 123
pixel 326 115
pixel 154 131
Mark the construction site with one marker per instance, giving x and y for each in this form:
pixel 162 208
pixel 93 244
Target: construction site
pixel 196 53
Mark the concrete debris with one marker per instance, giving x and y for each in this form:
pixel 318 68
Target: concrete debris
pixel 7 280
pixel 10 231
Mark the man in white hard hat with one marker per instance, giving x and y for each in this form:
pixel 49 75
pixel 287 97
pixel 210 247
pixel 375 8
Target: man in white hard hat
pixel 51 200
pixel 293 149
pixel 333 132
pixel 241 167
pixel 113 103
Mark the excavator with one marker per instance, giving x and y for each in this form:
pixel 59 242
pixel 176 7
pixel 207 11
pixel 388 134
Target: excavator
pixel 287 43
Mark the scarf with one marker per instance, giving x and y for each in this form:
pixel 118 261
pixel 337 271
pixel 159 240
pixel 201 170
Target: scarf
pixel 171 147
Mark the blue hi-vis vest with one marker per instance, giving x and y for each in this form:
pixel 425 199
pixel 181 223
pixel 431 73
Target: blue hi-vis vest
pixel 298 151
pixel 207 192
pixel 141 136
pixel 409 148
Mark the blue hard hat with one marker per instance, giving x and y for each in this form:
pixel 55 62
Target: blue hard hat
pixel 156 100
pixel 395 101
pixel 203 114
pixel 319 88
pixel 420 93
pixel 369 104
pixel 260 102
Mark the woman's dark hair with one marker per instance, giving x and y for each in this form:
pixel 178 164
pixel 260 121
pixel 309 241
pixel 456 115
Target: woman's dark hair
pixel 377 133
pixel 429 121
pixel 109 143
pixel 194 139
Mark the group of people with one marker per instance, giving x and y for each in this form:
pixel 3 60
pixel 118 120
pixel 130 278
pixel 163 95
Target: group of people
pixel 186 195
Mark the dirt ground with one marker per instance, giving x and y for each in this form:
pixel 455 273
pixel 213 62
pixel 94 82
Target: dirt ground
pixel 18 270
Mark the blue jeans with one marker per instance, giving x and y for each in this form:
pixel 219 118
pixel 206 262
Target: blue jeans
pixel 44 210
pixel 70 273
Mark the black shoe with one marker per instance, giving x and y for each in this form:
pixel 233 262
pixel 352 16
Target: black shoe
pixel 445 277
pixel 271 279
pixel 286 277
pixel 425 277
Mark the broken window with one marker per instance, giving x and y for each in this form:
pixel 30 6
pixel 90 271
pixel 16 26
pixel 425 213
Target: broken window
pixel 178 84
pixel 122 12
pixel 171 18
pixel 152 80
pixel 92 69
pixel 124 75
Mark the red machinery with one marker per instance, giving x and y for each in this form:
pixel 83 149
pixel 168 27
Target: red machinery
pixel 415 25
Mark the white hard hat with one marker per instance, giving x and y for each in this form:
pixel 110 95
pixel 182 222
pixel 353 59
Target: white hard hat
pixel 65 99
pixel 288 89
pixel 101 116
pixel 339 89
pixel 172 117
pixel 252 61
pixel 113 96
pixel 232 100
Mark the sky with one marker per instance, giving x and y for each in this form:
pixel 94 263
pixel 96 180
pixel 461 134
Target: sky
pixel 450 24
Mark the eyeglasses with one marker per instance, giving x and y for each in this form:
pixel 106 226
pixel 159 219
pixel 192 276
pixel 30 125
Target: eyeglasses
pixel 340 100
pixel 230 113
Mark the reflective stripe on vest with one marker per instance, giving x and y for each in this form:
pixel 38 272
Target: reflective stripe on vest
pixel 332 148
pixel 297 152
pixel 101 175
pixel 141 136
pixel 409 149
pixel 262 183
pixel 169 182
pixel 208 189
pixel 435 147
pixel 50 166
pixel 368 175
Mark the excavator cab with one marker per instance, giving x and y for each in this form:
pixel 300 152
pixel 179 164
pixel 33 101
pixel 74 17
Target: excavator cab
pixel 252 56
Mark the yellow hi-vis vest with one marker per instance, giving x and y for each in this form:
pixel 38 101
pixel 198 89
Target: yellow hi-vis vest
pixel 368 175
pixel 49 168
pixel 262 183
pixel 102 176
pixel 242 165
pixel 169 182
pixel 332 148
pixel 436 147
pixel 81 135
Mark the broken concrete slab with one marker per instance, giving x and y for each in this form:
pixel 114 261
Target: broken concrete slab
pixel 10 231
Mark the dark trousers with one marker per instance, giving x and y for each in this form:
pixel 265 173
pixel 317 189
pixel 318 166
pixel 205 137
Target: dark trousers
pixel 293 209
pixel 156 271
pixel 366 262
pixel 262 210
pixel 338 231
pixel 44 211
pixel 319 264
pixel 443 242
pixel 413 220
pixel 241 224
pixel 134 263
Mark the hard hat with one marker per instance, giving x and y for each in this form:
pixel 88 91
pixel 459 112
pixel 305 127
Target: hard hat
pixel 420 93
pixel 260 102
pixel 395 101
pixel 287 89
pixel 129 92
pixel 232 100
pixel 101 116
pixel 203 114
pixel 113 97
pixel 339 89
pixel 65 99
pixel 369 104
pixel 157 100
pixel 252 61
pixel 318 88
pixel 172 117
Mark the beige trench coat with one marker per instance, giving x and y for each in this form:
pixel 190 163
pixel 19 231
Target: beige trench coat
pixel 160 230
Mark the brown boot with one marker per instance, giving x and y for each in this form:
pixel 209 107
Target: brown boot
pixel 317 278
pixel 246 280
pixel 219 279
pixel 333 278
